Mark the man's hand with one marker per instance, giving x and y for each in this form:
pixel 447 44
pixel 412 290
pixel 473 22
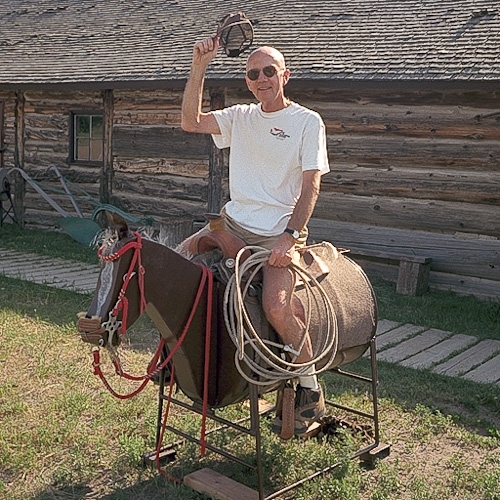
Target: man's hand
pixel 205 51
pixel 282 252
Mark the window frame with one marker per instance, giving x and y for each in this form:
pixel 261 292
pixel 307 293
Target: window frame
pixel 73 138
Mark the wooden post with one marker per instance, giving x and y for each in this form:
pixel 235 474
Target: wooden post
pixel 19 183
pixel 106 184
pixel 215 163
pixel 2 133
pixel 413 276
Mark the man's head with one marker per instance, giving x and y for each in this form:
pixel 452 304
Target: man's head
pixel 267 76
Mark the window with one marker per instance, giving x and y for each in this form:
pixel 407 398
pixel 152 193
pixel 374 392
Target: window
pixel 87 135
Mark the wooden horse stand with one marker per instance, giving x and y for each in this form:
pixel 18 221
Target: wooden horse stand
pixel 221 487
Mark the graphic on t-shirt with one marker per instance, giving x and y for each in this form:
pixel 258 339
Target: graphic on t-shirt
pixel 279 134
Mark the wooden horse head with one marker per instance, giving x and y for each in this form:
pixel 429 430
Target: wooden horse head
pixel 139 275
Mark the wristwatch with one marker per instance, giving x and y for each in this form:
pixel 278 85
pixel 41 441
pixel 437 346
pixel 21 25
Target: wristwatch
pixel 295 234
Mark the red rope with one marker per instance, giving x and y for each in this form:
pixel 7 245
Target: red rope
pixel 122 302
pixel 206 276
pixel 208 330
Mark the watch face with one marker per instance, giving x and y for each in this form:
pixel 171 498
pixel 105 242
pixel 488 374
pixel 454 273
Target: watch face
pixel 295 234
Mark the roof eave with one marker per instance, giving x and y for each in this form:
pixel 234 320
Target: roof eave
pixel 299 83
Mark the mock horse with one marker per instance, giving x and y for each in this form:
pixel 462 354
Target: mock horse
pixel 143 276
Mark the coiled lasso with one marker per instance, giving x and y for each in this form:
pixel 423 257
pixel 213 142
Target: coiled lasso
pixel 266 364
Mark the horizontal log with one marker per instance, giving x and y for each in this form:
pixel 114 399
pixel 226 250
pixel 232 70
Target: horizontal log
pixel 405 213
pixel 484 289
pixel 34 202
pixel 156 166
pixel 385 255
pixel 147 99
pixel 401 151
pixel 161 186
pixel 82 176
pixel 388 96
pixel 163 210
pixel 56 146
pixel 438 122
pixel 56 121
pixel 167 117
pixel 472 186
pixel 58 102
pixel 170 142
pixel 465 285
pixel 79 182
pixel 450 253
pixel 46 157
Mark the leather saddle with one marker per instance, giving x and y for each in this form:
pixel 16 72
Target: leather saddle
pixel 216 236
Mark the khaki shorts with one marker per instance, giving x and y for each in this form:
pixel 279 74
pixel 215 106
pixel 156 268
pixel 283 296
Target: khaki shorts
pixel 250 238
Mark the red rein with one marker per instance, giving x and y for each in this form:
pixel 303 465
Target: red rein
pixel 122 304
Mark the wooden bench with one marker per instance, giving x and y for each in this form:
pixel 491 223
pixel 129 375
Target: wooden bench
pixel 413 272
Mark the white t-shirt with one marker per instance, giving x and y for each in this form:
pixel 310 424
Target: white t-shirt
pixel 269 153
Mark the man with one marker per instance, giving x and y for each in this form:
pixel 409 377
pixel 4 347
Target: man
pixel 278 155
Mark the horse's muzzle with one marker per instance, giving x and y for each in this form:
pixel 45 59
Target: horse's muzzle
pixel 91 330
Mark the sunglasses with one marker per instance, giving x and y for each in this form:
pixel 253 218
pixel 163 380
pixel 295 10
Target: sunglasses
pixel 254 73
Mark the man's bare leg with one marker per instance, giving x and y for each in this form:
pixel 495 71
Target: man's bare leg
pixel 284 311
pixel 286 314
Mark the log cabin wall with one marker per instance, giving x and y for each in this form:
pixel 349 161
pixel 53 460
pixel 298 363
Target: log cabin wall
pixel 412 171
pixel 159 170
pixel 411 160
pixel 415 172
pixel 45 119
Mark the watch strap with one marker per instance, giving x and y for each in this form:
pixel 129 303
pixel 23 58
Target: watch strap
pixel 295 234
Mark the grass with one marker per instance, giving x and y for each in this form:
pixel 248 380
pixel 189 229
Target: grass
pixel 52 244
pixel 63 436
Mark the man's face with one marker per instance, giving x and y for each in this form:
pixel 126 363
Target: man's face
pixel 266 87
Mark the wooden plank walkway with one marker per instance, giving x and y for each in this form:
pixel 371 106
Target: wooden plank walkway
pixel 412 346
pixel 455 355
pixel 59 273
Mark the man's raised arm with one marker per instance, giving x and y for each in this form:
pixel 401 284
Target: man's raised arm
pixel 192 117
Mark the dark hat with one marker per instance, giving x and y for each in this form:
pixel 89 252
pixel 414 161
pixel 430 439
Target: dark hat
pixel 235 33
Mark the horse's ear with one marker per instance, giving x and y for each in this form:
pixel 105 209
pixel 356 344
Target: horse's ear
pixel 118 223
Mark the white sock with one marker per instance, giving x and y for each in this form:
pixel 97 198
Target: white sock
pixel 309 381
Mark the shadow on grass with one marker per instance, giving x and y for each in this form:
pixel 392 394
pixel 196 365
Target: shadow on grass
pixel 477 405
pixel 474 406
pixel 157 488
pixel 281 462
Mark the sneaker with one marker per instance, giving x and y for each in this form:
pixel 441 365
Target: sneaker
pixel 309 408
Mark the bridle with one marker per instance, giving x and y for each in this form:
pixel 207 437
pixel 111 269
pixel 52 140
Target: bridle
pixel 122 301
pixel 104 334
